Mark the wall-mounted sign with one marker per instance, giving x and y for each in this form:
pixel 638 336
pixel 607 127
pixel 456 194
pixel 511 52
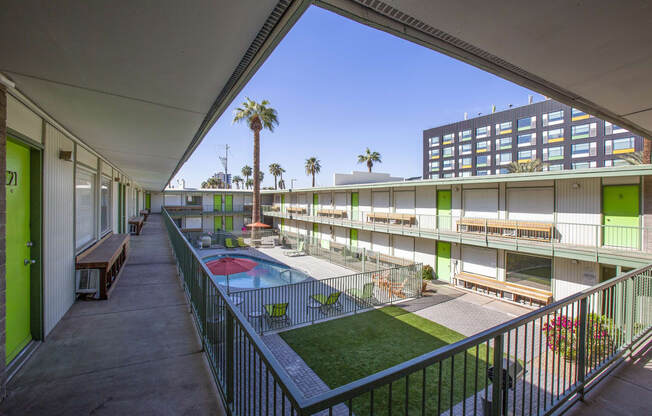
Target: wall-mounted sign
pixel 12 178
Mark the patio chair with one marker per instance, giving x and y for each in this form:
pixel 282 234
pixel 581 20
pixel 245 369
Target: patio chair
pixel 364 295
pixel 327 303
pixel 277 313
pixel 295 253
pixel 241 243
pixel 229 243
pixel 396 289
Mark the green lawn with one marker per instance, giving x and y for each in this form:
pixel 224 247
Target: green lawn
pixel 343 350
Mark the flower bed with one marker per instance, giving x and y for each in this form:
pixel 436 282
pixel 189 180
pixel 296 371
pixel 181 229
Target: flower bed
pixel 562 335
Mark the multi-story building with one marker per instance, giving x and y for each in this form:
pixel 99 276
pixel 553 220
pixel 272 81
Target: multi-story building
pixel 560 136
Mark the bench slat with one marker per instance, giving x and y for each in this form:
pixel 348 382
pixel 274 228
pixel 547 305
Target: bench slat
pixel 531 293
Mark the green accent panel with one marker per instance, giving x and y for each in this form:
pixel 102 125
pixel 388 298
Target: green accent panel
pixel 217 223
pixel 315 203
pixel 17 318
pixel 282 224
pixel 353 237
pixel 620 213
pixel 228 223
pixel 217 203
pixel 282 203
pixel 148 201
pixel 443 261
pixel 228 203
pixel 444 209
pixel 355 201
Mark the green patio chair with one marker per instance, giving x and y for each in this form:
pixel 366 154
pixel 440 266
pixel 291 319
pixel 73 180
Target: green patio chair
pixel 327 303
pixel 241 243
pixel 277 313
pixel 364 295
pixel 229 243
pixel 298 252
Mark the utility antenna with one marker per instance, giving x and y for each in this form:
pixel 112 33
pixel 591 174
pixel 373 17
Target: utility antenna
pixel 225 162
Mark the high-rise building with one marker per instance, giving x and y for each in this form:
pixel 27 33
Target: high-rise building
pixel 560 136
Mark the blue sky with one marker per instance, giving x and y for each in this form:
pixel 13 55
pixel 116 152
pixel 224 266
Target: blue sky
pixel 339 87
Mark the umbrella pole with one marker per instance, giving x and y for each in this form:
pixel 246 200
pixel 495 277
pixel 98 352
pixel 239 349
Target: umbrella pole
pixel 228 286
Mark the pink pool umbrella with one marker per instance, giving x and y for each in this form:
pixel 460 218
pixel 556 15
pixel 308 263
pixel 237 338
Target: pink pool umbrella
pixel 226 266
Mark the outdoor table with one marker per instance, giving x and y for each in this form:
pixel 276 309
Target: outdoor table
pixel 257 315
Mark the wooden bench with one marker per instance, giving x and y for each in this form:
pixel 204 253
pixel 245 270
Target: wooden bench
pixel 387 259
pixel 297 210
pixel 108 256
pixel 275 208
pixel 327 212
pixel 136 224
pixel 518 291
pixel 387 217
pixel 144 213
pixel 507 228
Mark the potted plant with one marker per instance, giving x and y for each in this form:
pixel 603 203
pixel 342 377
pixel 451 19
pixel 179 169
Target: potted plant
pixel 427 274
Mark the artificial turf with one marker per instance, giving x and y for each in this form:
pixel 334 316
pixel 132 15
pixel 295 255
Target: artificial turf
pixel 347 349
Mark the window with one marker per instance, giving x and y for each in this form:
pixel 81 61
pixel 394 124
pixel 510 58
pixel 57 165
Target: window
pixel 449 151
pixel 583 165
pixel 465 162
pixel 433 141
pixel 465 135
pixel 448 175
pixel 616 162
pixel 504 143
pixel 527 155
pixel 527 123
pixel 553 136
pixel 105 205
pixel 529 139
pixel 584 150
pixel 482 132
pixel 553 118
pixel 466 149
pixel 556 166
pixel 483 172
pixel 482 160
pixel 618 146
pixel 504 158
pixel 193 200
pixel 434 153
pixel 577 115
pixel 582 131
pixel 84 207
pixel 483 146
pixel 553 153
pixel 527 270
pixel 502 171
pixel 434 165
pixel 613 129
pixel 448 138
pixel 466 173
pixel 449 164
pixel 504 128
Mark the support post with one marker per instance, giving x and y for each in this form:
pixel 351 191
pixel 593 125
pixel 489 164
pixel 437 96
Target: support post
pixel 497 387
pixel 230 355
pixel 581 356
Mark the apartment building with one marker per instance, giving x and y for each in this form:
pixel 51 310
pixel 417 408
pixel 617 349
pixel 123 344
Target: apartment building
pixel 560 136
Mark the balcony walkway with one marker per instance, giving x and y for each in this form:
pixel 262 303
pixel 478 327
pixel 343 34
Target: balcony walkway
pixel 137 353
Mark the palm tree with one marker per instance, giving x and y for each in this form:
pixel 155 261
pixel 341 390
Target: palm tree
pixel 246 172
pixel 275 169
pixel 212 183
pixel 635 158
pixel 369 158
pixel 530 166
pixel 258 116
pixel 647 150
pixel 237 181
pixel 261 176
pixel 249 183
pixel 312 167
pixel 281 181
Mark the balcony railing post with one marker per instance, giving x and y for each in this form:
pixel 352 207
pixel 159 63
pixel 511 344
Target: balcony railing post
pixel 581 356
pixel 204 309
pixel 629 310
pixel 497 387
pixel 230 354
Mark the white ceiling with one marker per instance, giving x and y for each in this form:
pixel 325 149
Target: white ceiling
pixel 592 54
pixel 133 82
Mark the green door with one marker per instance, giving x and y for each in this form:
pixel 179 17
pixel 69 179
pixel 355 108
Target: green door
pixel 17 321
pixel 217 203
pixel 282 224
pixel 315 204
pixel 148 201
pixel 228 203
pixel 443 261
pixel 354 206
pixel 315 232
pixel 217 223
pixel 228 223
pixel 444 199
pixel 353 238
pixel 620 213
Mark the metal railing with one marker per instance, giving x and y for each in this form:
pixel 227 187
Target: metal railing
pixel 218 238
pixel 533 364
pixel 591 237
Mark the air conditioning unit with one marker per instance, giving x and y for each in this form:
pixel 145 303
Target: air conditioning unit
pixel 88 282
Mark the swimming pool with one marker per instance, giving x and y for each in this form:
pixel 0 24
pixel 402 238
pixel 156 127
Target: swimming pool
pixel 266 274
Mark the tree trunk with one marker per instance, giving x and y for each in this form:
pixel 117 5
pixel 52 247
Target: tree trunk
pixel 275 183
pixel 256 197
pixel 369 165
pixel 313 179
pixel 647 150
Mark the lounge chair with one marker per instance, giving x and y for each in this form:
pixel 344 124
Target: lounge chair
pixel 295 253
pixel 396 289
pixel 241 243
pixel 229 243
pixel 364 295
pixel 277 313
pixel 327 303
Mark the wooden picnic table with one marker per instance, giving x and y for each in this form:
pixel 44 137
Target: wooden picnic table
pixel 108 256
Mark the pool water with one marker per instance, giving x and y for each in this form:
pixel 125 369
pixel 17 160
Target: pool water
pixel 266 274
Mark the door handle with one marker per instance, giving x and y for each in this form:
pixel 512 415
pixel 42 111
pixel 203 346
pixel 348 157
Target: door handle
pixel 29 261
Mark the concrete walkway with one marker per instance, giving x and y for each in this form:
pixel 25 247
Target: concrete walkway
pixel 137 353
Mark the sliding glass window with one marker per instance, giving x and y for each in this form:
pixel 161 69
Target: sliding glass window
pixel 84 207
pixel 530 271
pixel 105 205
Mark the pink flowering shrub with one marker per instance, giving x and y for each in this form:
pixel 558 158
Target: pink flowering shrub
pixel 562 335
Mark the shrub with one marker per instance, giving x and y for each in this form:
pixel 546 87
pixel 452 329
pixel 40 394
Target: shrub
pixel 427 272
pixel 562 335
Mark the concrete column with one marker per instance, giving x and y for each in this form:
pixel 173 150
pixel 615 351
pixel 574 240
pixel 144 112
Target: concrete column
pixel 3 222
